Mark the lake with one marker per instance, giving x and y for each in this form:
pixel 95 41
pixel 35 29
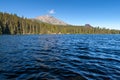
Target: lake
pixel 60 57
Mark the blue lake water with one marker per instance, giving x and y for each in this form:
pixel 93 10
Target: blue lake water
pixel 60 57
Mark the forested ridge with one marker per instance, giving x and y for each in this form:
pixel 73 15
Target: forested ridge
pixel 13 24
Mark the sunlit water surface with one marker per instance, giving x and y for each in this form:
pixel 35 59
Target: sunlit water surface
pixel 60 57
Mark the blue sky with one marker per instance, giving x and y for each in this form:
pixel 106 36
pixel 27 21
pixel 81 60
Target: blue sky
pixel 103 13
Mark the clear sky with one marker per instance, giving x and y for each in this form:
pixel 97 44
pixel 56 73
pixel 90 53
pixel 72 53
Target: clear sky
pixel 103 13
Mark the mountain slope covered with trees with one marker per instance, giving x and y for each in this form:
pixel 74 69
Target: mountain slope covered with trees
pixel 13 24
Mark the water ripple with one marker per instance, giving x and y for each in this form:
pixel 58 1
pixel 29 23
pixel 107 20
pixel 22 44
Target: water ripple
pixel 59 57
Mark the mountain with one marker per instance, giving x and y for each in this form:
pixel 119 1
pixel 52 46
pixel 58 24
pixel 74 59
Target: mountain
pixel 50 19
pixel 88 25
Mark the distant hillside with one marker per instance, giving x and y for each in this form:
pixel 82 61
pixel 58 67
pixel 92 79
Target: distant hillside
pixel 13 24
pixel 51 20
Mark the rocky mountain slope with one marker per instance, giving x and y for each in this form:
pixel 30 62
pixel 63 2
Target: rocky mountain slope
pixel 50 19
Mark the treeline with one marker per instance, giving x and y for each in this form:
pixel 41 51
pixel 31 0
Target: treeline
pixel 13 24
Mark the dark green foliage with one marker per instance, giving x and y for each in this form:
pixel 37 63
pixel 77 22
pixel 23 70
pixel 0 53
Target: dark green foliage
pixel 12 24
pixel 6 30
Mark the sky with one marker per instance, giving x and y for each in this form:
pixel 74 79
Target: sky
pixel 102 13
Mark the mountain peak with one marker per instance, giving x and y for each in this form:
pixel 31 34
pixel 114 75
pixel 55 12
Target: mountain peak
pixel 51 20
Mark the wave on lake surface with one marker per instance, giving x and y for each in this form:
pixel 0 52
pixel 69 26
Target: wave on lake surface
pixel 60 57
